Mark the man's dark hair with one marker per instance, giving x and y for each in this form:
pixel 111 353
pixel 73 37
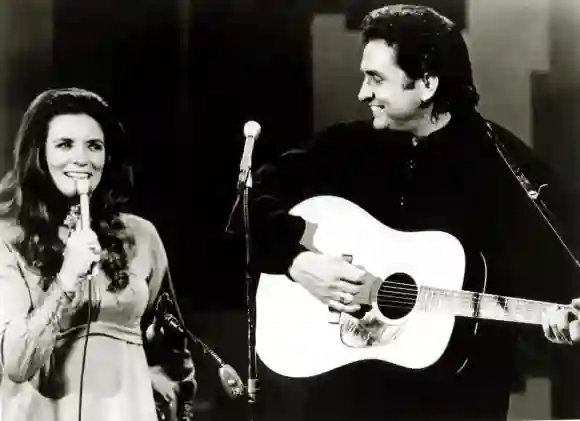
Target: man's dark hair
pixel 427 44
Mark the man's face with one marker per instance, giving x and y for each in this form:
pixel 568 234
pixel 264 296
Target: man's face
pixel 394 99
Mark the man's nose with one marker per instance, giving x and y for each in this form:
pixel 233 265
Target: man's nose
pixel 365 94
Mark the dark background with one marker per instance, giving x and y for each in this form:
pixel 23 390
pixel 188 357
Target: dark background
pixel 184 77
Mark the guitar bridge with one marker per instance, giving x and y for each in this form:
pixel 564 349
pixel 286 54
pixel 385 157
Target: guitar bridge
pixel 366 332
pixel 353 329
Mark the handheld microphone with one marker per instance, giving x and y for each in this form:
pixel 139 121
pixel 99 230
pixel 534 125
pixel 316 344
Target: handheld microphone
pixel 83 187
pixel 231 381
pixel 168 325
pixel 251 132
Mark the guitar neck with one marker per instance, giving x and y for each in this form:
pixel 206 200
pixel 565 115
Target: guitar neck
pixel 482 306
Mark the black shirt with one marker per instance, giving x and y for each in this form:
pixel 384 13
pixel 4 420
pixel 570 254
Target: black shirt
pixel 452 180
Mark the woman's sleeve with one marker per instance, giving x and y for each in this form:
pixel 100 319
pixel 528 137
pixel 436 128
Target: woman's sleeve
pixel 160 265
pixel 27 335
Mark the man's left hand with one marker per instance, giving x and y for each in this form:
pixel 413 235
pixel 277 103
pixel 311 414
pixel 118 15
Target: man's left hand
pixel 561 325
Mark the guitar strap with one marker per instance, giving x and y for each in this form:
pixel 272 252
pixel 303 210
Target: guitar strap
pixel 532 190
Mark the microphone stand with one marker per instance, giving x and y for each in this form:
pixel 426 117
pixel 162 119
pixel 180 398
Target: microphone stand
pixel 251 132
pixel 243 191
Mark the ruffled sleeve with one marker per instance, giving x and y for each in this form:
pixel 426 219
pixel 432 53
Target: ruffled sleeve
pixel 27 334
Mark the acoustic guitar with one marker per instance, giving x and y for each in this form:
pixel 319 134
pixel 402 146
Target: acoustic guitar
pixel 411 300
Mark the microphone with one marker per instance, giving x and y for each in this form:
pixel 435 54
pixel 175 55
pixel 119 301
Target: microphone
pixel 83 186
pixel 231 381
pixel 168 325
pixel 251 132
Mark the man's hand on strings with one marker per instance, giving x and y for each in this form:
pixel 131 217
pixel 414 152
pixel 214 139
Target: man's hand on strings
pixel 561 324
pixel 332 280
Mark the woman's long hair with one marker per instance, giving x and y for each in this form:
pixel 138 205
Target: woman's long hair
pixel 29 197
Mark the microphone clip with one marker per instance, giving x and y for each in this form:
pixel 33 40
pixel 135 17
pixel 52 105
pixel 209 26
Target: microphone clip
pixel 244 180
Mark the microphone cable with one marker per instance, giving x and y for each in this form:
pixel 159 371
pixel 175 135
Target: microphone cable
pixel 85 347
pixel 88 280
pixel 72 215
pixel 230 379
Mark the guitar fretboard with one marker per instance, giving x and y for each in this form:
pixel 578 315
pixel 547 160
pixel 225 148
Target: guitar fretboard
pixel 481 306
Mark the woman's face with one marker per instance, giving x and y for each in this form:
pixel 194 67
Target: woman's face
pixel 75 149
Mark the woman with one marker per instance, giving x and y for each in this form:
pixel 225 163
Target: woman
pixel 57 278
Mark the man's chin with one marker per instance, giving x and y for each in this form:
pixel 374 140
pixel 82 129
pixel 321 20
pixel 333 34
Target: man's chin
pixel 384 123
pixel 387 123
pixel 380 123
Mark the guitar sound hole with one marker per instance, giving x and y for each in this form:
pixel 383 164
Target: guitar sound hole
pixel 397 296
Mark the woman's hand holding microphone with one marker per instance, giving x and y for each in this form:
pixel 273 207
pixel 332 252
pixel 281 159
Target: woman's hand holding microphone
pixel 81 255
pixel 82 251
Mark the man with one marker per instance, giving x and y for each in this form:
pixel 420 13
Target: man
pixel 427 161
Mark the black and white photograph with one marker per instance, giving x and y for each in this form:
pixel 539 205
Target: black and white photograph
pixel 301 210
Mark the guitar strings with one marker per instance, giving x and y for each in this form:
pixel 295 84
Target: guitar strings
pixel 527 314
pixel 388 299
pixel 405 296
pixel 461 295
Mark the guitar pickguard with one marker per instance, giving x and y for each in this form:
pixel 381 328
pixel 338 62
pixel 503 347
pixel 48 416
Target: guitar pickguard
pixel 368 331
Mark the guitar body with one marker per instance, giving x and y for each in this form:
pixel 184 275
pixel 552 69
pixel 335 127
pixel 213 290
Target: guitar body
pixel 294 337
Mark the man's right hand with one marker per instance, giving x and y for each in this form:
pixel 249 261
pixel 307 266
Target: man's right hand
pixel 331 280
